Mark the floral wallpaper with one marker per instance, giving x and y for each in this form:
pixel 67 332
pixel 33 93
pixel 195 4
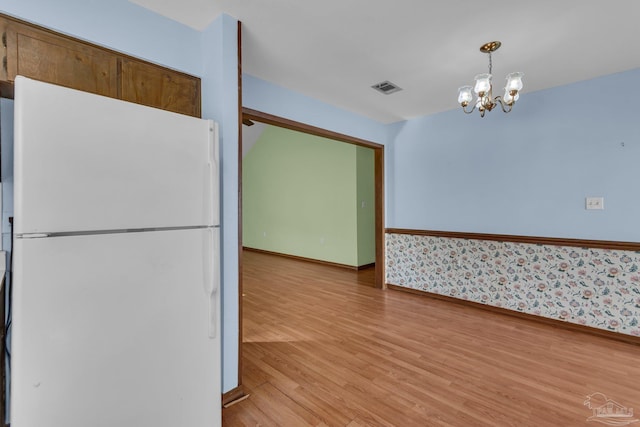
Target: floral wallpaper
pixel 593 287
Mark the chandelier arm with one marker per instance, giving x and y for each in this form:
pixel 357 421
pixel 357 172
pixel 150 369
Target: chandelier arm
pixel 503 104
pixel 470 111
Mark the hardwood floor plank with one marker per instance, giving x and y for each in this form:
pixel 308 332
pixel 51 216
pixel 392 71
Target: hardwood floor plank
pixel 321 348
pixel 281 409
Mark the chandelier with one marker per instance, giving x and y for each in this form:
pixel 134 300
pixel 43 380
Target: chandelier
pixel 483 88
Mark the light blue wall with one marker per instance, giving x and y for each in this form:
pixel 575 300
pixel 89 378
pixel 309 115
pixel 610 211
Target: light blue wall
pixel 527 172
pixel 267 97
pixel 210 54
pixel 220 83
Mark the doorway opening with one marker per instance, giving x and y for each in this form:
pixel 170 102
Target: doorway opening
pixel 250 116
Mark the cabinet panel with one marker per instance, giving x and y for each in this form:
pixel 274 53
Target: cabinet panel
pixel 159 87
pixel 57 60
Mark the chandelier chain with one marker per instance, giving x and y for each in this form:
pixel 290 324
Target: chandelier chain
pixel 490 63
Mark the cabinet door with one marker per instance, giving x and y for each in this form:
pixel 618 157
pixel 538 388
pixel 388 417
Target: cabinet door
pixel 54 59
pixel 151 85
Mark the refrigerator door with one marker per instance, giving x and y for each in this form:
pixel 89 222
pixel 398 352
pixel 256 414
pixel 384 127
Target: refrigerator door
pixel 85 162
pixel 113 330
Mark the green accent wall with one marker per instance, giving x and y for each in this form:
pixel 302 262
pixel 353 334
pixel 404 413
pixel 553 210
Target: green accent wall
pixel 303 194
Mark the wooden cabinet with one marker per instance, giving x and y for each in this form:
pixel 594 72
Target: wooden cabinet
pixel 150 85
pixel 44 55
pixel 54 59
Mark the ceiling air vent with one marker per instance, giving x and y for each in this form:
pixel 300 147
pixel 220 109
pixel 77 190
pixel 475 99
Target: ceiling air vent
pixel 386 87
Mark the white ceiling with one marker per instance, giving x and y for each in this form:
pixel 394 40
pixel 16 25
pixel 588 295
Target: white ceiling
pixel 334 50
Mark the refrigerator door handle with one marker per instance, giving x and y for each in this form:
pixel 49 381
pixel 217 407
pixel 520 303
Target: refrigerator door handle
pixel 213 142
pixel 208 188
pixel 212 278
pixel 212 315
pixel 212 165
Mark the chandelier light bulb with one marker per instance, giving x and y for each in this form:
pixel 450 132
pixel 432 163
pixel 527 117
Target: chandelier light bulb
pixel 483 83
pixel 464 95
pixel 514 81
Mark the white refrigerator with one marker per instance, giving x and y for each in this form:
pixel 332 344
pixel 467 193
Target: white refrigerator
pixel 116 264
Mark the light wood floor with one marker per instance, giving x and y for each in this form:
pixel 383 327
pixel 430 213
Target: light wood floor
pixel 323 348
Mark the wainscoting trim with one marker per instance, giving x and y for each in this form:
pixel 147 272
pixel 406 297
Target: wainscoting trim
pixel 315 261
pixel 555 241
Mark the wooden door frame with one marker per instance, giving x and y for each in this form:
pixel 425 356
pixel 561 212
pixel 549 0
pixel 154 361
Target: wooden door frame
pixel 258 116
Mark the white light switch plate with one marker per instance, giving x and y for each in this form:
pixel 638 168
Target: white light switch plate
pixel 594 203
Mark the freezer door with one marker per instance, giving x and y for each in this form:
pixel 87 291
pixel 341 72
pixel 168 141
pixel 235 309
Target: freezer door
pixel 87 162
pixel 114 330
